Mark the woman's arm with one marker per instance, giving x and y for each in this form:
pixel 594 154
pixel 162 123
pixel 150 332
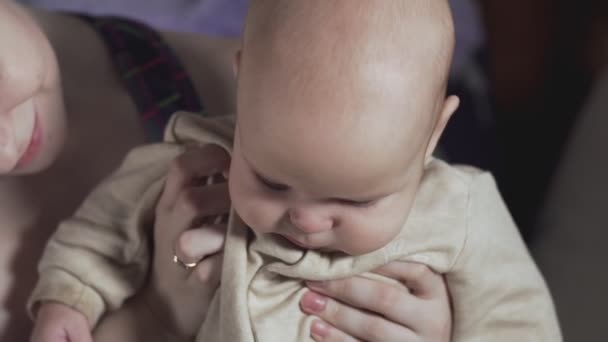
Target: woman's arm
pixel 133 322
pixel 174 301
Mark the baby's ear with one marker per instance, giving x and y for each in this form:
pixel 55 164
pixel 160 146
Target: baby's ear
pixel 449 107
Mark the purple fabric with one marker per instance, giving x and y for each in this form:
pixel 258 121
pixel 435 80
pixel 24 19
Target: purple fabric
pixel 225 18
pixel 214 17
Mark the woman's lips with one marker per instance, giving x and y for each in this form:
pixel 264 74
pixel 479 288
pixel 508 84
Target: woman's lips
pixel 33 146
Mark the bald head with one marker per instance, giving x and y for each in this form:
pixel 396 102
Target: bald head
pixel 372 71
pixel 395 39
pixel 339 100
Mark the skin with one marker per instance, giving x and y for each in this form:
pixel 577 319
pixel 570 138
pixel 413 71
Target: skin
pixel 96 107
pixel 351 309
pixel 32 105
pixel 297 167
pixel 272 207
pixel 56 49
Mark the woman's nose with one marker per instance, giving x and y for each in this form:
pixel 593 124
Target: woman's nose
pixel 310 220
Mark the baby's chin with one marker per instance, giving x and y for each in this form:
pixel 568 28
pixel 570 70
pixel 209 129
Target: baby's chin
pixel 324 248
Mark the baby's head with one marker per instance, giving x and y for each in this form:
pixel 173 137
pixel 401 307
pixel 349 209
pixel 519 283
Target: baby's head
pixel 32 115
pixel 340 105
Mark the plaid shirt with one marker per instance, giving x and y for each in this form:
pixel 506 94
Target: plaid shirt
pixel 151 72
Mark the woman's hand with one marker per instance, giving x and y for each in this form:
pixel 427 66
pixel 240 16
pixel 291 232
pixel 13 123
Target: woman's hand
pixel 173 305
pixel 187 228
pixel 361 309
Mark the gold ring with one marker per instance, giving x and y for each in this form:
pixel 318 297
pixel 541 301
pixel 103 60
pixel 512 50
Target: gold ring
pixel 185 265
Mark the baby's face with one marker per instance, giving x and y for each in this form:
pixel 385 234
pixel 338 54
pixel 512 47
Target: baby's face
pixel 32 118
pixel 328 170
pixel 355 204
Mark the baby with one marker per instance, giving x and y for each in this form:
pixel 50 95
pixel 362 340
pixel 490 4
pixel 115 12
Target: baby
pixel 340 107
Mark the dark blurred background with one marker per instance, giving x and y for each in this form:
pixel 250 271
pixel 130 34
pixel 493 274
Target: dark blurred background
pixel 533 79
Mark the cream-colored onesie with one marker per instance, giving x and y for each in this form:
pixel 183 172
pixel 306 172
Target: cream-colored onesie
pixel 458 226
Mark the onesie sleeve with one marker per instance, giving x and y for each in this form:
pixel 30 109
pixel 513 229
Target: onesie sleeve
pixel 497 290
pixel 100 256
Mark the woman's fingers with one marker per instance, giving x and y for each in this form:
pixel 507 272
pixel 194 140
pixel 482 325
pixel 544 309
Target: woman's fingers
pixel 374 310
pixel 196 244
pixel 174 233
pixel 431 315
pixel 393 302
pixel 194 165
pixel 197 203
pixel 188 240
pixel 209 271
pixel 418 278
pixel 352 322
pixel 324 332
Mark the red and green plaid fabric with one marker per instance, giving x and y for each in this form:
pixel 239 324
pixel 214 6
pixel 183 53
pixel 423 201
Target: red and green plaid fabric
pixel 153 75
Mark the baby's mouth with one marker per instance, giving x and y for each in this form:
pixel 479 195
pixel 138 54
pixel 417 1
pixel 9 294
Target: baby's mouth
pixel 298 243
pixel 17 132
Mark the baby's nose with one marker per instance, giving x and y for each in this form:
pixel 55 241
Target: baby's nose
pixel 310 220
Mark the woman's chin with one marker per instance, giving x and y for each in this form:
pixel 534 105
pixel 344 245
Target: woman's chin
pixel 34 167
pixel 44 158
pixel 45 146
pixel 14 169
pixel 6 167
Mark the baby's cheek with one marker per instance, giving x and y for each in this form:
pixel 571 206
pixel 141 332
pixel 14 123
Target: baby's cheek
pixel 368 233
pixel 261 215
pixel 257 211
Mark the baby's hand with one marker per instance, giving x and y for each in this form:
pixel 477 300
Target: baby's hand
pixel 59 323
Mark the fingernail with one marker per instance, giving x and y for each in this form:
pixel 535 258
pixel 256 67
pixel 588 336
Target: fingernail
pixel 319 329
pixel 313 302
